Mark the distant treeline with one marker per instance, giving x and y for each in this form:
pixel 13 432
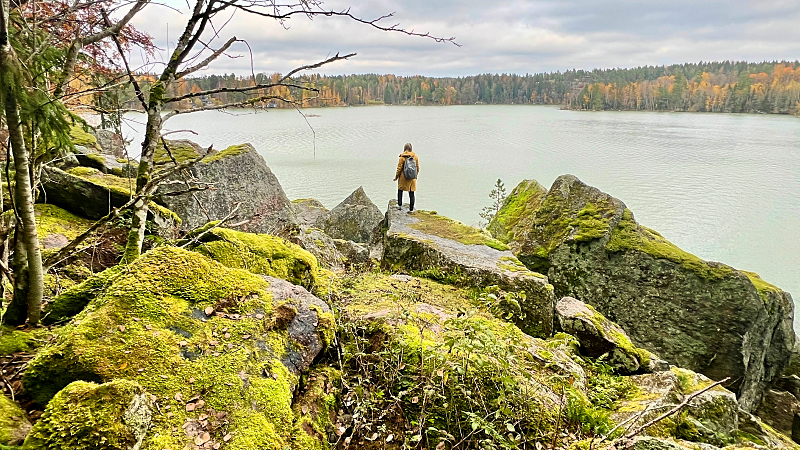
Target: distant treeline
pixel 768 87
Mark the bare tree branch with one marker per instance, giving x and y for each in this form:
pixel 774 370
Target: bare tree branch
pixel 241 104
pixel 208 60
pixel 222 221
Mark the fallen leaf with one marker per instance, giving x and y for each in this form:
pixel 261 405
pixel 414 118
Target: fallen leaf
pixel 201 403
pixel 209 311
pixel 259 316
pixel 179 397
pixel 440 446
pixel 170 414
pixel 401 366
pixel 217 446
pixel 183 343
pixel 246 336
pixel 227 437
pixel 121 327
pixel 304 408
pixel 148 327
pixel 389 438
pixel 165 376
pixel 190 407
pixel 373 437
pixel 414 399
pixel 213 343
pixel 191 380
pixel 124 365
pixel 227 335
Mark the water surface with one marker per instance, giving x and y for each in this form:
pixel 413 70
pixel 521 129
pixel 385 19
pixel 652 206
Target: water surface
pixel 725 187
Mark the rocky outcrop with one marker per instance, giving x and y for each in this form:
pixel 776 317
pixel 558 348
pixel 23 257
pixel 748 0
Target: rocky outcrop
pixel 105 163
pixel 238 175
pixel 599 336
pixel 110 143
pixel 435 246
pixel 781 411
pixel 321 246
pixel 355 219
pixel 220 350
pixel 701 315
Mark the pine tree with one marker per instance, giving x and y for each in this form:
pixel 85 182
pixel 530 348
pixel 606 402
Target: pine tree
pixel 498 196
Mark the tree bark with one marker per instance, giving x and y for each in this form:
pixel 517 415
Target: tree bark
pixel 23 195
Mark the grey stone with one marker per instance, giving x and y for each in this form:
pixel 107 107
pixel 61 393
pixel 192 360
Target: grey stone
pixel 701 315
pixel 475 265
pixel 238 175
pixel 781 411
pixel 598 336
pixel 308 211
pixel 79 195
pixel 305 339
pixel 322 246
pixel 110 142
pixel 355 219
pixel 353 252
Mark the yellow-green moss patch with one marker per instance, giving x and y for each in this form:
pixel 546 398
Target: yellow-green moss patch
pixel 233 150
pixel 628 235
pixel 517 210
pixel 80 136
pixel 51 219
pixel 444 227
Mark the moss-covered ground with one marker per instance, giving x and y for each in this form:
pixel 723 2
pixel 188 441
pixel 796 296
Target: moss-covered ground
pixel 198 336
pixel 444 227
pixel 51 219
pixel 80 136
pixel 629 235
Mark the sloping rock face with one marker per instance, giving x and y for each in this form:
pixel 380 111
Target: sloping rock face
pixel 444 249
pixel 14 424
pixel 701 315
pixel 239 175
pixel 307 211
pixel 79 195
pixel 598 336
pixel 221 350
pixel 512 222
pixel 781 411
pixel 110 143
pixel 355 219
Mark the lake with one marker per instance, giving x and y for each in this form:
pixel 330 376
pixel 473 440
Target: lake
pixel 725 187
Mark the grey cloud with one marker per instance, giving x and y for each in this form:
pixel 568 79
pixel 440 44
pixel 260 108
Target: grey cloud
pixel 512 35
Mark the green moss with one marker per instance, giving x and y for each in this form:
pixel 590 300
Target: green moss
pixel 314 409
pixel 233 150
pixel 590 223
pixel 85 415
pixel 13 422
pixel 432 223
pixel 149 326
pixel 119 184
pixel 73 300
pixel 80 136
pixel 164 213
pixel 12 341
pixel 518 208
pixel 607 329
pixel 764 288
pixel 181 153
pixel 51 219
pixel 262 254
pixel 628 235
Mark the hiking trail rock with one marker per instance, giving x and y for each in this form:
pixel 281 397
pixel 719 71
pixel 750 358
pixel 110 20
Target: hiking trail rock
pixel 448 250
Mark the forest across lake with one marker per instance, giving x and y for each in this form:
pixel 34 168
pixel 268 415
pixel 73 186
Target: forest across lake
pixel 724 187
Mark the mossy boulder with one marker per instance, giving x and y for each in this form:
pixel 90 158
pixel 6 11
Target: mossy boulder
pixel 56 227
pixel 322 246
pixel 355 219
pixel 237 175
pixel 111 416
pixel 262 254
pixel 431 245
pixel 701 315
pixel 221 350
pixel 80 194
pixel 599 336
pixel 14 423
pixel 84 137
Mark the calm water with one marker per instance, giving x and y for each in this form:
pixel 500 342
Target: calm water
pixel 724 187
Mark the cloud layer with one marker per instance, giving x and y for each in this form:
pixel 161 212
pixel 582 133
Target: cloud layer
pixel 502 36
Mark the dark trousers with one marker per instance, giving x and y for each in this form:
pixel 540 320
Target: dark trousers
pixel 410 198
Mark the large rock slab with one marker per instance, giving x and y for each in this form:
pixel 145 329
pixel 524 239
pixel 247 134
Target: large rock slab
pixel 355 219
pixel 221 350
pixel 238 174
pixel 701 315
pixel 81 195
pixel 444 249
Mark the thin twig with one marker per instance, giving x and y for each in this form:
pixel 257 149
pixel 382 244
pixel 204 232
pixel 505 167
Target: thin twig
pixel 223 220
pixel 674 410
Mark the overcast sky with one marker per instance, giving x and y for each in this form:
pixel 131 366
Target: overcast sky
pixel 504 36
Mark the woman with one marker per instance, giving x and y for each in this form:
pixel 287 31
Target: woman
pixel 403 183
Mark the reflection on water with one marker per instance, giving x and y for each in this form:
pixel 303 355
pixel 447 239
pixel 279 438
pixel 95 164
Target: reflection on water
pixel 723 186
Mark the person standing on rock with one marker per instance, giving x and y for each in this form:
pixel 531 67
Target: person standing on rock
pixel 406 176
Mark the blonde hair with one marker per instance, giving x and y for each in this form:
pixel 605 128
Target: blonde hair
pixel 407 147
